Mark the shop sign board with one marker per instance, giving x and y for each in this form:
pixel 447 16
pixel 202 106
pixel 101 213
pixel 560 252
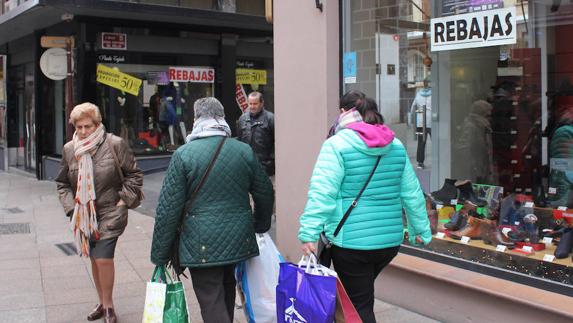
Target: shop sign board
pixel 114 59
pixel 251 76
pixel 56 41
pixel 349 67
pixel 114 41
pixel 458 7
pixel 241 97
pixel 118 80
pixel 192 74
pixel 54 63
pixel 472 30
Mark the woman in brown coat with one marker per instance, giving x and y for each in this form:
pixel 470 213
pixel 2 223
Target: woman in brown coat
pixel 98 181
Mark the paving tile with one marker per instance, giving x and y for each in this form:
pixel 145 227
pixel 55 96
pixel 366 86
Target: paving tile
pixel 78 270
pixel 34 315
pixel 52 285
pixel 69 313
pixel 19 254
pixel 25 300
pixel 72 296
pixel 16 286
pixel 123 290
pixel 129 305
pixel 33 273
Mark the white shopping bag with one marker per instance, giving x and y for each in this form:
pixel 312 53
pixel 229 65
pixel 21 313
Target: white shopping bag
pixel 154 300
pixel 257 278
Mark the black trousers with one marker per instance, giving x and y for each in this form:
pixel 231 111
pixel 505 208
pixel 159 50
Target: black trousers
pixel 357 270
pixel 421 151
pixel 215 291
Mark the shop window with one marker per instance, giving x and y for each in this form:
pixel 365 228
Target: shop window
pixel 159 116
pixel 499 187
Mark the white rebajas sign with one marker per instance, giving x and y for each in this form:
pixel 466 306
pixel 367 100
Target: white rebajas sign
pixel 477 29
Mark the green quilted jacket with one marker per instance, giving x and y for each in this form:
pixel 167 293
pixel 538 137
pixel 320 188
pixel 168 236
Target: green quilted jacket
pixel 220 226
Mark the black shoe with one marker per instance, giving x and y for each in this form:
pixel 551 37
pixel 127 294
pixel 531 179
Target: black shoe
pixel 447 193
pixel 457 221
pixel 467 194
pixel 530 225
pixel 565 245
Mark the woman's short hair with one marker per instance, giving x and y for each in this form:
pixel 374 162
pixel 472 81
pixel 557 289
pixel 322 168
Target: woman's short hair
pixel 85 110
pixel 208 107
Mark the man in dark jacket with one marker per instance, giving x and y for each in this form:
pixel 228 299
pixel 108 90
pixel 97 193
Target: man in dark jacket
pixel 257 128
pixel 218 228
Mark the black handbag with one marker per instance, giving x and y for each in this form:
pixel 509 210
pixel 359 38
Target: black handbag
pixel 174 261
pixel 324 247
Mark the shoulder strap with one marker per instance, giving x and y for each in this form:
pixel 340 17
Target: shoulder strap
pixel 355 202
pixel 203 178
pixel 115 159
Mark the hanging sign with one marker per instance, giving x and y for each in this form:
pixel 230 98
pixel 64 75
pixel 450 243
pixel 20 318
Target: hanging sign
pixel 118 80
pixel 115 41
pixel 241 97
pixel 192 74
pixel 349 67
pixel 251 76
pixel 54 64
pixel 479 29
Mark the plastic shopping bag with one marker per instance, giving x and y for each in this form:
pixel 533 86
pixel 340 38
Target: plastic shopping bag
pixel 257 279
pixel 306 293
pixel 165 300
pixel 345 310
pixel 154 298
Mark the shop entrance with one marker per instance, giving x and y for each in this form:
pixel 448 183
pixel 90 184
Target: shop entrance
pixel 21 117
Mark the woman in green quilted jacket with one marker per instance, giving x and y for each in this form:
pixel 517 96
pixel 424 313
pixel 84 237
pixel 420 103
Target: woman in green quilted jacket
pixel 218 225
pixel 374 230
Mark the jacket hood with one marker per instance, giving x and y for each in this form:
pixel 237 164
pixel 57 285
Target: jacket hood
pixel 369 139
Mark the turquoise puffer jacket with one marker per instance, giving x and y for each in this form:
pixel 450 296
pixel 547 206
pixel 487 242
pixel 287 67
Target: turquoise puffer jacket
pixel 343 165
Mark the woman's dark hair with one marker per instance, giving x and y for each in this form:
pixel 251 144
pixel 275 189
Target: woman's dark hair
pixel 368 109
pixel 351 99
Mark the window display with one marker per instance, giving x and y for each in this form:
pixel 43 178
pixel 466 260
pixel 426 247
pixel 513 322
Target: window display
pixel 160 116
pixel 499 186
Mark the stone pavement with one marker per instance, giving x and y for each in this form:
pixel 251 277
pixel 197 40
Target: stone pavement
pixel 40 282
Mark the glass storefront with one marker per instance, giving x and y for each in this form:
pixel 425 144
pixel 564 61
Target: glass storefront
pixel 481 95
pixel 160 116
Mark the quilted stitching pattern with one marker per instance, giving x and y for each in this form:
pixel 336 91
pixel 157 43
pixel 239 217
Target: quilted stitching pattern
pixel 220 227
pixel 339 174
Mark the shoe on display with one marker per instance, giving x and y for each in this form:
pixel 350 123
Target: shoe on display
pixel 471 230
pixel 447 193
pixel 564 247
pixel 457 221
pixel 466 193
pixel 491 235
pixel 530 225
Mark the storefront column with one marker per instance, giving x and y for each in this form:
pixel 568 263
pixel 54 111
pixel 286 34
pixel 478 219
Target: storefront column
pixel 228 78
pixel 306 98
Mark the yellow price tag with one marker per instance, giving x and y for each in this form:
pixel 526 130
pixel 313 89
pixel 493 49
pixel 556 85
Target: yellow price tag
pixel 118 80
pixel 251 76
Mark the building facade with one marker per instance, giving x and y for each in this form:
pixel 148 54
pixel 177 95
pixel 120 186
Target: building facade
pixel 144 63
pixel 479 93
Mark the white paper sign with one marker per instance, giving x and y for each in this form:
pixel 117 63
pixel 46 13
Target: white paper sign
pixel 439 206
pixel 548 258
pixel 476 29
pixel 440 235
pixel 547 240
pixel 562 208
pixel 465 240
pixel 527 249
pixel 528 204
pixel 500 248
pixel 552 190
pixel 505 231
pixel 454 202
pixel 517 223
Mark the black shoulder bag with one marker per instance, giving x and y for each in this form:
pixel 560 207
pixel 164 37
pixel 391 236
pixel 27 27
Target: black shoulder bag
pixel 174 261
pixel 324 248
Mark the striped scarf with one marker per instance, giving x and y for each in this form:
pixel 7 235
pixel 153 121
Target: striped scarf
pixel 84 221
pixel 347 118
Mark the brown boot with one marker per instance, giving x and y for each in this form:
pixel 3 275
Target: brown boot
pixel 96 313
pixel 110 316
pixel 491 235
pixel 471 230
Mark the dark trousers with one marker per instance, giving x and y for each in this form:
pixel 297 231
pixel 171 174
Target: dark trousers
pixel 215 291
pixel 421 151
pixel 357 270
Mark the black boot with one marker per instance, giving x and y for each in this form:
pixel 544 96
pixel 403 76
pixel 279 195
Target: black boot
pixel 467 194
pixel 447 193
pixel 565 245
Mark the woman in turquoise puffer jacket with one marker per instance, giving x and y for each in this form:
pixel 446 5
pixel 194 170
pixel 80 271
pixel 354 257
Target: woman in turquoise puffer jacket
pixel 371 236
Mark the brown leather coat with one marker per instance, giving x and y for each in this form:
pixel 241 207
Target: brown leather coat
pixel 112 219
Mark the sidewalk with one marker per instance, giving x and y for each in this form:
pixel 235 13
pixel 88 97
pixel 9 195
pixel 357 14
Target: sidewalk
pixel 39 282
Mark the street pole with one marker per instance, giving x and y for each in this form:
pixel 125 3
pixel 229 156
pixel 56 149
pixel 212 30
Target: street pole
pixel 69 89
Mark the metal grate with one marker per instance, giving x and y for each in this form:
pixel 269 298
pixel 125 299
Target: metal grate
pixel 15 228
pixel 68 248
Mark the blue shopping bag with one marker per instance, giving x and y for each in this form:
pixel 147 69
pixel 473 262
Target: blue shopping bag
pixel 306 293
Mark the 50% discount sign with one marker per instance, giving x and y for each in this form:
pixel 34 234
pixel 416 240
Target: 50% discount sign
pixel 118 80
